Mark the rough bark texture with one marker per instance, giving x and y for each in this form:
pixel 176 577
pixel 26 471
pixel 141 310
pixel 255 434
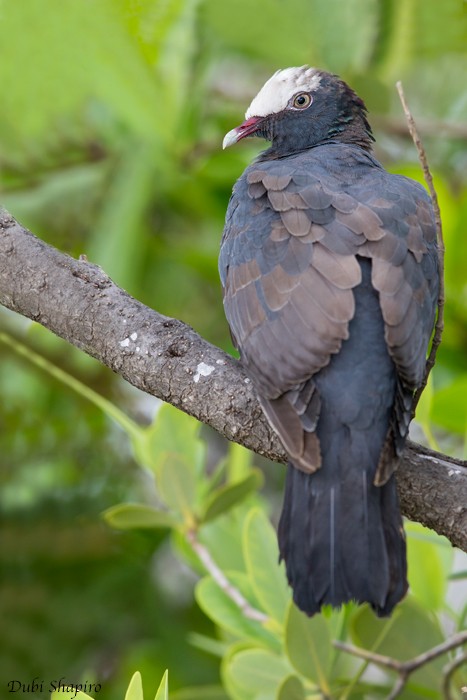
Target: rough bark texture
pixel 166 358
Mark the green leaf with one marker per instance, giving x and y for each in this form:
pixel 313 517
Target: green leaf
pixel 214 647
pixel 163 690
pixel 308 645
pixel 225 613
pixel 127 516
pixel 200 692
pixel 235 692
pixel 429 564
pixel 238 462
pixel 135 688
pixel 399 44
pixel 122 212
pixel 171 431
pixel 410 631
pixel 268 578
pixel 230 495
pixel 178 49
pixel 112 411
pixel 423 413
pixel 450 406
pixel 222 537
pixel 291 688
pixel 176 485
pixel 69 694
pixel 257 671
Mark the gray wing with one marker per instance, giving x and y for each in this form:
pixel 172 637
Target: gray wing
pixel 289 263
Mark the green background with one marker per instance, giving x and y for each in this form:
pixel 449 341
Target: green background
pixel 111 122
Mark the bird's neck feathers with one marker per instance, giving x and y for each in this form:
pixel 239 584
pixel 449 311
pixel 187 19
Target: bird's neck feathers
pixel 338 115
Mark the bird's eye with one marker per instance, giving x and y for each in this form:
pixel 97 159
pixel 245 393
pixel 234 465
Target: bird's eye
pixel 301 101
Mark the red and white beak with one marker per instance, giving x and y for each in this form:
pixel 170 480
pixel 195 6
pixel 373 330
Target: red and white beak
pixel 248 128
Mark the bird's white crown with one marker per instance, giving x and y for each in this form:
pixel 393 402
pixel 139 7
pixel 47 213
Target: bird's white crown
pixel 275 94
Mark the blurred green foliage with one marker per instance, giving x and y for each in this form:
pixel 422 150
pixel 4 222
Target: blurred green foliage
pixel 134 690
pixel 112 116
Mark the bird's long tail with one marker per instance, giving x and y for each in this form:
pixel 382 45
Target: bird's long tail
pixel 340 535
pixel 342 542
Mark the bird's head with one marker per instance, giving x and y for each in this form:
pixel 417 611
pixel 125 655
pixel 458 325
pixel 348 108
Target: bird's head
pixel 298 108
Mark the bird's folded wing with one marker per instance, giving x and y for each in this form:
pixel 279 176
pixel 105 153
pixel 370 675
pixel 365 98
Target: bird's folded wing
pixel 289 265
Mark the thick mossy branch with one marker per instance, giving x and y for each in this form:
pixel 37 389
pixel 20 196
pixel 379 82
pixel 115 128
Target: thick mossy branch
pixel 166 358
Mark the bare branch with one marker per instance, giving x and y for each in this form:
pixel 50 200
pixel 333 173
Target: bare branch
pixel 379 659
pixel 163 356
pixel 448 672
pixel 439 234
pixel 404 669
pixel 221 580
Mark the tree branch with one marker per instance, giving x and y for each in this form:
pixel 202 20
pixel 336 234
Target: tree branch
pixel 166 358
pixel 405 668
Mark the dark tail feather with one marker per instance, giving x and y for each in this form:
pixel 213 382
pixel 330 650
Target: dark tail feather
pixel 342 541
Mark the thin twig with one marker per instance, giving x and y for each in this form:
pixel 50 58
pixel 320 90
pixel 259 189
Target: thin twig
pixel 452 643
pixel 223 583
pixel 398 687
pixel 448 672
pixel 404 669
pixel 379 659
pixel 439 235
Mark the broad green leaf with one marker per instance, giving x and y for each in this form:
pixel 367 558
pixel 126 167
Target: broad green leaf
pixel 291 688
pixel 135 688
pixel 308 645
pixel 222 537
pixel 171 431
pixel 257 671
pixel 163 691
pixel 227 614
pixel 429 564
pixel 410 631
pixel 127 516
pixel 176 484
pixel 70 694
pixel 230 495
pixel 268 578
pixel 213 480
pixel 235 692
